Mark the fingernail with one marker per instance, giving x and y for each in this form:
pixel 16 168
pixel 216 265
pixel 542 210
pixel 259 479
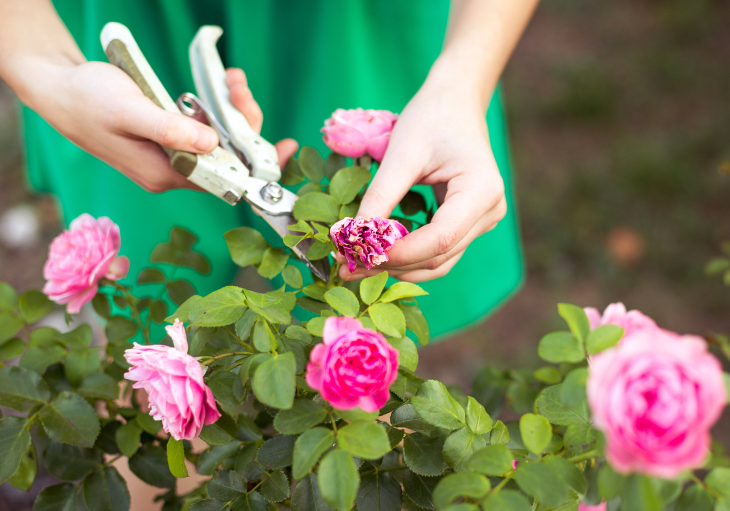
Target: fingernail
pixel 205 140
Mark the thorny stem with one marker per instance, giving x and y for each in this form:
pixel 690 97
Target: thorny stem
pixel 210 359
pixel 704 486
pixel 244 344
pixel 334 422
pixel 503 482
pixel 584 456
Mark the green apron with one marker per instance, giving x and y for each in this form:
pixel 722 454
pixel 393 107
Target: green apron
pixel 303 59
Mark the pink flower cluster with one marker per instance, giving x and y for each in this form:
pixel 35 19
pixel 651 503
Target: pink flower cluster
pixel 367 240
pixel 79 258
pixel 354 133
pixel 174 382
pixel 355 366
pixel 655 396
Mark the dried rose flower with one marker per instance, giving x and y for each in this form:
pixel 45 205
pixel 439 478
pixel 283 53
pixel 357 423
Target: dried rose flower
pixel 367 240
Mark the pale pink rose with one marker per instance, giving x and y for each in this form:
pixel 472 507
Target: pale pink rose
pixel 367 240
pixel 354 133
pixel 79 258
pixel 585 507
pixel 616 314
pixel 655 397
pixel 174 382
pixel 355 366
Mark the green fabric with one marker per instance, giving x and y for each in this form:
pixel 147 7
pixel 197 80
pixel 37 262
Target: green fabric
pixel 303 60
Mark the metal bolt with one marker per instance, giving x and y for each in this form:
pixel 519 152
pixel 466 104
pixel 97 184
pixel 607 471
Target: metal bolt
pixel 272 193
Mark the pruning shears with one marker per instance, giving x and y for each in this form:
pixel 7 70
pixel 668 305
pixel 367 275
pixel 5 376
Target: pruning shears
pixel 245 166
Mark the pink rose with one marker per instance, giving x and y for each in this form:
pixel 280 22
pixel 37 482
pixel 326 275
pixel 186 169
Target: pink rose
pixel 655 397
pixel 368 240
pixel 615 314
pixel 174 381
pixel 79 258
pixel 585 507
pixel 355 366
pixel 353 133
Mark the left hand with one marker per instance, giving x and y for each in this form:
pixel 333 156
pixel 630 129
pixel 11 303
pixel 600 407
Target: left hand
pixel 440 139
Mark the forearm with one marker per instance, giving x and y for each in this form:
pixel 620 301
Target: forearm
pixel 480 39
pixel 34 43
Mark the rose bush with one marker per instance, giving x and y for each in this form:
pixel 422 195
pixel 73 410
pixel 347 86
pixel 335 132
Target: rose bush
pixel 317 401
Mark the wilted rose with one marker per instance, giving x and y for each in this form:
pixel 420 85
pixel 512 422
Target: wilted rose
pixel 655 397
pixel 354 366
pixel 354 133
pixel 367 240
pixel 174 382
pixel 79 258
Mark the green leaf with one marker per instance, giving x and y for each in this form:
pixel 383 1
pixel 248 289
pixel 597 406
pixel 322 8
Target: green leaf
pixel 401 290
pixel 542 483
pixel 311 163
pixel 347 183
pixel 182 239
pixel 407 352
pixel 343 301
pixel 79 337
pixel 9 326
pixel 719 480
pixel 179 291
pixel 536 432
pixel 119 329
pixel 196 261
pixel 423 454
pixel 292 276
pixel 176 458
pixel 34 305
pixel 276 452
pixel 378 491
pixel 388 318
pixel 210 460
pixel 39 358
pixel 339 479
pixel 272 262
pixel 695 498
pixel 21 389
pixel 366 440
pixel 246 245
pixel 148 423
pixel 101 305
pixel 253 501
pixel 220 308
pixel 576 319
pixel 71 420
pixel 80 363
pixel 464 484
pixel 11 349
pixel 459 447
pixel 208 505
pixel 59 497
pixel 573 389
pixel 419 488
pixel 499 435
pixel 477 417
pixel 164 253
pixel 434 403
pixel 315 326
pixel 263 337
pixel 551 406
pixel 548 374
pixel 406 384
pixel 308 448
pixel 603 338
pixel 14 441
pixel 492 460
pixel 572 476
pixel 412 203
pixel 299 333
pixel 150 275
pixel 307 495
pixel 8 297
pixel 579 438
pixel 226 485
pixel 318 207
pixel 371 287
pixel 303 415
pixel 221 432
pixel 561 347
pixel 416 323
pixel 71 463
pixel 24 477
pixel 106 490
pixel 506 500
pixel 293 174
pixel 333 163
pixel 639 494
pixel 609 482
pixel 405 416
pixel 275 487
pixel 274 381
pixel 150 464
pixel 128 438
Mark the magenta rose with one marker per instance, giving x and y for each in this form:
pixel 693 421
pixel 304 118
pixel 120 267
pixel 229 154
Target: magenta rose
pixel 367 240
pixel 354 133
pixel 174 382
pixel 616 314
pixel 655 397
pixel 79 258
pixel 355 366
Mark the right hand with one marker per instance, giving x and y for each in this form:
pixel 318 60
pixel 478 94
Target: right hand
pixel 98 107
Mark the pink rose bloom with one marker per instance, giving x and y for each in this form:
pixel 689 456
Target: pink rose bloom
pixel 79 258
pixel 174 381
pixel 355 366
pixel 585 507
pixel 655 397
pixel 353 133
pixel 368 240
pixel 616 314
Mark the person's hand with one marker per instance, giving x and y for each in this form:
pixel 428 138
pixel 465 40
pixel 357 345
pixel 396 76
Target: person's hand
pixel 441 140
pixel 99 108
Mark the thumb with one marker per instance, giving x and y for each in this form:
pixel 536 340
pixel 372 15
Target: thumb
pixel 146 120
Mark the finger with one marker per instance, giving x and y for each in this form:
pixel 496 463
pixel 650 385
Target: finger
pixel 286 149
pixel 242 98
pixel 143 119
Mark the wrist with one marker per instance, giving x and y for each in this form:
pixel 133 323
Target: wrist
pixel 455 75
pixel 37 78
